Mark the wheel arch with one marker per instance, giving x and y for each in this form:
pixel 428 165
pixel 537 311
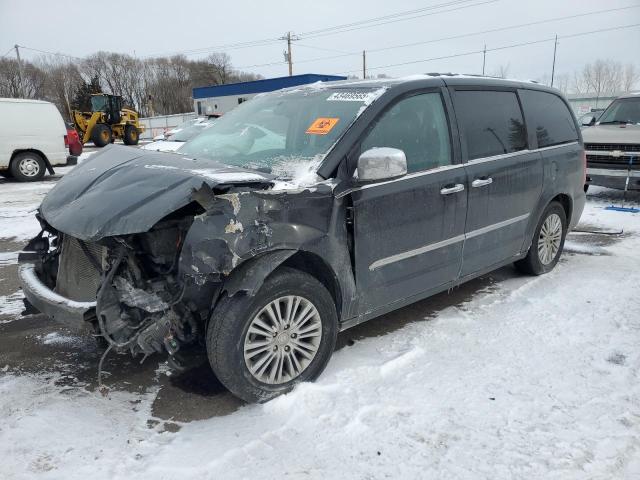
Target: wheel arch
pixel 563 199
pixel 567 204
pixel 248 277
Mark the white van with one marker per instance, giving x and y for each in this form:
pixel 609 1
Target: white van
pixel 32 139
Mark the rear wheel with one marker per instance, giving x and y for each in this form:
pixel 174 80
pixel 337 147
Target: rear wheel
pixel 547 243
pixel 586 187
pixel 101 135
pixel 261 346
pixel 131 136
pixel 27 167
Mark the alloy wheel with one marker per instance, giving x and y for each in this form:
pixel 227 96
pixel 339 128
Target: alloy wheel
pixel 549 239
pixel 282 340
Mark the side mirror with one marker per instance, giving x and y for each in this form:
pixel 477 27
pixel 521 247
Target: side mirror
pixel 381 164
pixel 588 121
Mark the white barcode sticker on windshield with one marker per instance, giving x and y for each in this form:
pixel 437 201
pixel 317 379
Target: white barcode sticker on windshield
pixel 348 97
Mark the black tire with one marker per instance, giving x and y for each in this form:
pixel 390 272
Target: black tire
pixel 5 173
pixel 586 187
pixel 532 264
pixel 131 136
pixel 230 323
pixel 27 167
pixel 101 135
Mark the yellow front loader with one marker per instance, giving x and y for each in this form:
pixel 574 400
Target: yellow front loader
pixel 107 122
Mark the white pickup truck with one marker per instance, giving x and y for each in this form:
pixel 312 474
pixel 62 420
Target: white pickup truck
pixel 613 145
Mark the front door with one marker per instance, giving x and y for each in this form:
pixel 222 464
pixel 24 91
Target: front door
pixel 503 176
pixel 409 232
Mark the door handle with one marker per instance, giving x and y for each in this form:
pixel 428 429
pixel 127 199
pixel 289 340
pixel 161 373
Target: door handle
pixel 481 182
pixel 458 187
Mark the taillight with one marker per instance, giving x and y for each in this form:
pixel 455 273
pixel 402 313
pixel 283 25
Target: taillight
pixel 584 166
pixel 66 141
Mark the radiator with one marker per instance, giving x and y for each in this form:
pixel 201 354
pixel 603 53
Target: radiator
pixel 78 278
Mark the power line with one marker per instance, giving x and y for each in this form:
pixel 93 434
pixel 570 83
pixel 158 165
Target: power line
pixel 501 29
pixel 451 37
pixel 323 49
pixel 8 52
pixel 397 20
pixel 385 17
pixel 51 53
pixel 333 29
pixel 504 47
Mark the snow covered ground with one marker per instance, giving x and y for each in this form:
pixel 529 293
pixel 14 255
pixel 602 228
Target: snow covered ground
pixel 527 377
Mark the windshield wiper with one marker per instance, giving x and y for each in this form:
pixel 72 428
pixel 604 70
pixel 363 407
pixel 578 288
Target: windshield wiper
pixel 614 122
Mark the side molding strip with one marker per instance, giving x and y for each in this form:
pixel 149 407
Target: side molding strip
pixel 445 243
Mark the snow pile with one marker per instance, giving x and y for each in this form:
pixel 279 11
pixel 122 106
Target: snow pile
pixel 11 305
pixel 55 338
pixel 20 202
pixel 296 173
pixel 8 258
pixel 48 432
pixel 535 378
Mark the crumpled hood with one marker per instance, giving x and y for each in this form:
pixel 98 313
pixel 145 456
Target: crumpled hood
pixel 612 134
pixel 124 190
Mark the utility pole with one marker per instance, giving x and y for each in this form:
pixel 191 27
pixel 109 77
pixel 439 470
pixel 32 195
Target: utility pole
pixel 17 47
pixel 553 67
pixel 484 57
pixel 287 53
pixel 364 65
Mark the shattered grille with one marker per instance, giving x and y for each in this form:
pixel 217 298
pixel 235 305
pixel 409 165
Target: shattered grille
pixel 78 278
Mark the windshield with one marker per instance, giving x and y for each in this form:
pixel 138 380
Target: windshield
pixel 98 103
pixel 280 131
pixel 187 133
pixel 624 110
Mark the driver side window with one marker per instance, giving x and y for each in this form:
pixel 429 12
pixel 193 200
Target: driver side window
pixel 417 125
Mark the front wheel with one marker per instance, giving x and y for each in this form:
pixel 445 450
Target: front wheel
pixel 101 135
pixel 261 346
pixel 547 243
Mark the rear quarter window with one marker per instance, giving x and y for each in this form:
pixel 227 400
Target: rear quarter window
pixel 491 122
pixel 548 116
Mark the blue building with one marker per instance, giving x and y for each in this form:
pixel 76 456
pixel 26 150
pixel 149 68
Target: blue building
pixel 222 98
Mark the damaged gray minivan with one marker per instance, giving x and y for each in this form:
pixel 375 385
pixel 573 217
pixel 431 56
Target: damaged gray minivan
pixel 302 213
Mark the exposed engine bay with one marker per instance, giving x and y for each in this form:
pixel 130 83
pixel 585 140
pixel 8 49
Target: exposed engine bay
pixel 134 282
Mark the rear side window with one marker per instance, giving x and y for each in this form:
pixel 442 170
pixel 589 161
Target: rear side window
pixel 549 117
pixel 491 122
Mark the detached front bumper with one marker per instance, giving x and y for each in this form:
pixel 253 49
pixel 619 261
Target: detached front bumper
pixel 64 310
pixel 613 178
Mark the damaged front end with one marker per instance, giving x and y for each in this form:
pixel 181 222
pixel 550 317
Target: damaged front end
pixel 126 288
pixel 144 267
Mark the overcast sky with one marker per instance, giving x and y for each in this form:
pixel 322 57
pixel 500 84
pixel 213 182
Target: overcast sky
pixel 143 28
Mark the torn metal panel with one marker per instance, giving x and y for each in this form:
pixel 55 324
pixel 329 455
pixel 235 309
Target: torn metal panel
pixel 270 227
pixel 123 190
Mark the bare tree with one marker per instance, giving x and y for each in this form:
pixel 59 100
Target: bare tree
pixel 62 81
pixel 502 71
pixel 630 77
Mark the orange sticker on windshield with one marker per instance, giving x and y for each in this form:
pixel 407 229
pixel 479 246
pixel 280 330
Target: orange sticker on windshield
pixel 322 125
